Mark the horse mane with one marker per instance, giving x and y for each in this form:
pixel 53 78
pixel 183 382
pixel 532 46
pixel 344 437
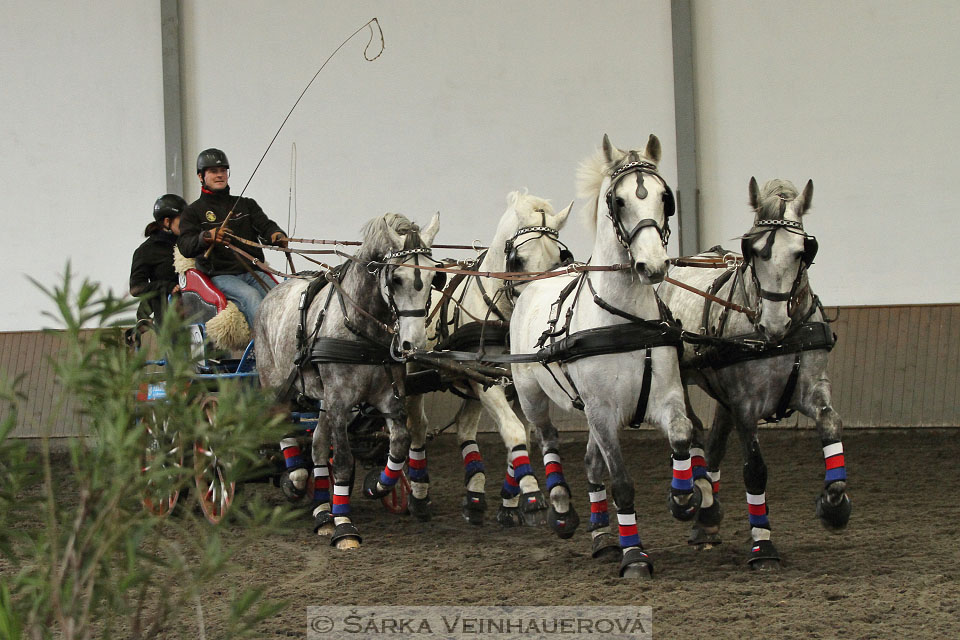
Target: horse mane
pixel 376 239
pixel 590 176
pixel 770 200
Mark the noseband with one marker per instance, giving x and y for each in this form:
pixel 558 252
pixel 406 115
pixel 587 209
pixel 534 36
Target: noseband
pixel 640 168
pixel 511 249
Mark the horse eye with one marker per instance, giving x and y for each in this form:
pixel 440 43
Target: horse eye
pixel 396 281
pixel 620 202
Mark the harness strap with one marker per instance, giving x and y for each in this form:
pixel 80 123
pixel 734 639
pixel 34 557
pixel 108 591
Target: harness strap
pixel 641 413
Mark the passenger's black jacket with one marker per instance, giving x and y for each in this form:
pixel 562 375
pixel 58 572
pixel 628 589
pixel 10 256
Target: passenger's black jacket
pixel 208 212
pixel 152 276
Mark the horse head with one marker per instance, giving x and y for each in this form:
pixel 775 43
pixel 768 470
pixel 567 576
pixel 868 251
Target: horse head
pixel 406 289
pixel 531 228
pixel 778 251
pixel 639 204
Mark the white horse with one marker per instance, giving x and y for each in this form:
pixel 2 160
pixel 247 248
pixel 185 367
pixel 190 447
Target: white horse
pixel 372 309
pixel 760 361
pixel 473 314
pixel 628 369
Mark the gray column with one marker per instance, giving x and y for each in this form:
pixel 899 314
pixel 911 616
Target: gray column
pixel 688 186
pixel 172 124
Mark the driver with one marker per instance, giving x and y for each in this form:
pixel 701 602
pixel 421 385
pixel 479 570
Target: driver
pixel 200 228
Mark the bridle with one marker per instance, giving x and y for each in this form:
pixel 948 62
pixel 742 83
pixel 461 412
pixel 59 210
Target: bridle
pixel 511 249
pixel 798 290
pixel 641 168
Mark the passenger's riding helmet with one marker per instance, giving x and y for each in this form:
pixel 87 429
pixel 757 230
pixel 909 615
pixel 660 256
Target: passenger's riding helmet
pixel 211 158
pixel 168 206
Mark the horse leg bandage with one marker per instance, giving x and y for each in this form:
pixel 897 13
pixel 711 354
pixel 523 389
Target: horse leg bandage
pixel 391 473
pixel 682 474
pixel 419 478
pixel 292 456
pixel 554 470
pixel 511 488
pixel 599 517
pixel 628 530
pixel 714 478
pixel 698 463
pixel 341 499
pixel 520 461
pixel 757 508
pixel 472 460
pixel 321 486
pixel 834 462
pixel 755 481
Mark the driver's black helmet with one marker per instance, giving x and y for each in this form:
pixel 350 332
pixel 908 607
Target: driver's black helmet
pixel 168 206
pixel 211 158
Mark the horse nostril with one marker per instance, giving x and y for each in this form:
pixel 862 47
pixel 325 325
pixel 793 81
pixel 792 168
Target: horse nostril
pixel 406 345
pixel 641 267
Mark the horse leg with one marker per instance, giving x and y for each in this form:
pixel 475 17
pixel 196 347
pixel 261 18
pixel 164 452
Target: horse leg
pixel 419 501
pixel 335 419
pixel 522 481
pixel 634 563
pixel 323 519
pixel 392 408
pixel 705 533
pixel 293 480
pixel 763 555
pixel 474 502
pixel 561 516
pixel 833 503
pixel 684 497
pixel 603 543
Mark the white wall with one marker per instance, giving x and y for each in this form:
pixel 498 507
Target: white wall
pixel 862 96
pixel 81 135
pixel 469 101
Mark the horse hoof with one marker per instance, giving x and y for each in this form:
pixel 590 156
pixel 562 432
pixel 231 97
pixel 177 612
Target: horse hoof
pixel 563 524
pixel 764 556
pixel 605 546
pixel 419 508
pixel 710 516
pixel 323 524
pixel 636 564
pixel 684 506
pixel 371 488
pixel 289 487
pixel 833 516
pixel 704 538
pixel 509 516
pixel 473 506
pixel 345 536
pixel 533 510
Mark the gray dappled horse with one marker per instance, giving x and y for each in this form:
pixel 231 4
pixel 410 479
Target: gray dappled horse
pixel 790 340
pixel 473 314
pixel 377 309
pixel 633 373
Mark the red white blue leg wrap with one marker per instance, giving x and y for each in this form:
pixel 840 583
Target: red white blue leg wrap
pixel 392 472
pixel 511 488
pixel 553 469
pixel 833 460
pixel 341 499
pixel 417 464
pixel 292 456
pixel 757 508
pixel 520 461
pixel 599 517
pixel 682 473
pixel 628 530
pixel 698 462
pixel 472 461
pixel 321 485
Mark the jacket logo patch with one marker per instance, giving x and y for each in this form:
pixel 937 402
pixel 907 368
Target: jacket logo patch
pixel 211 216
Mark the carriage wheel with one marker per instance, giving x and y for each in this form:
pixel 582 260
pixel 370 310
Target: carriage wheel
pixel 396 500
pixel 214 493
pixel 162 493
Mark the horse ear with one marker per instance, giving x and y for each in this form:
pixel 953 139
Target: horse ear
pixel 396 240
pixel 512 198
pixel 428 234
pixel 807 196
pixel 754 194
pixel 610 152
pixel 653 149
pixel 561 216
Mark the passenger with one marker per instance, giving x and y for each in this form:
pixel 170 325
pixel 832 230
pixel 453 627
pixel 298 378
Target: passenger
pixel 152 277
pixel 200 227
